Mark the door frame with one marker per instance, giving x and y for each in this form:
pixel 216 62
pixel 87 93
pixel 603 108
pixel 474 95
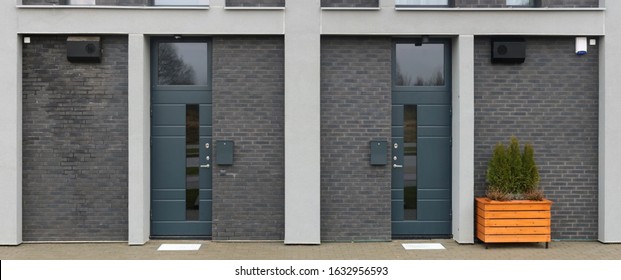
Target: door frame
pixel 399 97
pixel 153 87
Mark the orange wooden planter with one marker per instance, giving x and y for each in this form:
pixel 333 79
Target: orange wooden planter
pixel 513 221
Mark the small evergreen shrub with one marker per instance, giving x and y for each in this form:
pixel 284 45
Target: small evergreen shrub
pixel 512 174
pixel 498 170
pixel 514 157
pixel 529 170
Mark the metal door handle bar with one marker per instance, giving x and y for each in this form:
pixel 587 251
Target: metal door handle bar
pixel 397 166
pixel 205 165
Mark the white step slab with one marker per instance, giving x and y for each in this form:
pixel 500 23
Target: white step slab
pixel 423 246
pixel 179 247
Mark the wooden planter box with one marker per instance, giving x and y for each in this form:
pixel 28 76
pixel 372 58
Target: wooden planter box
pixel 513 221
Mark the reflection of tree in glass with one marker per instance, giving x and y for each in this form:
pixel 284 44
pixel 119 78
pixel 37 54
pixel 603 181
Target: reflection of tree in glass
pixel 407 80
pixel 172 70
pixel 437 80
pixel 402 80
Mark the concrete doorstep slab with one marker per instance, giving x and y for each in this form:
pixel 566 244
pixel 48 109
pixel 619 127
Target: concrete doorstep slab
pixel 179 247
pixel 423 246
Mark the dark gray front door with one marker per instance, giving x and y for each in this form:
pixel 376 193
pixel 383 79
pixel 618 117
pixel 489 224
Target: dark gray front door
pixel 421 138
pixel 181 139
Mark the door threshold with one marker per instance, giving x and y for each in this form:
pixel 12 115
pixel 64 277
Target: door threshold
pixel 421 237
pixel 180 237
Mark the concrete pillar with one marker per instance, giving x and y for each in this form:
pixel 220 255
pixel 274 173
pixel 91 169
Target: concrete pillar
pixel 10 127
pixel 463 139
pixel 139 118
pixel 302 122
pixel 610 127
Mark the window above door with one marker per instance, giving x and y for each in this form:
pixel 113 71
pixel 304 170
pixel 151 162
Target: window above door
pixel 421 64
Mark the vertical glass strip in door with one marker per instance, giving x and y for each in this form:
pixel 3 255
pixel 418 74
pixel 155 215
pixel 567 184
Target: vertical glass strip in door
pixel 192 162
pixel 410 203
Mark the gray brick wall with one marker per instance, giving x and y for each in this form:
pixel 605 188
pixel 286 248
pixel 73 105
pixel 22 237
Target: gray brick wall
pixel 570 3
pixel 123 2
pixel 255 3
pixel 355 108
pixel 350 3
pixel 551 101
pixel 544 3
pixel 74 142
pixel 248 102
pixel 41 2
pixel 98 2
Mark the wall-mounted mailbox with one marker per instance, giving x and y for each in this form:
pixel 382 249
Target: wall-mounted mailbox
pixel 84 49
pixel 224 152
pixel 379 149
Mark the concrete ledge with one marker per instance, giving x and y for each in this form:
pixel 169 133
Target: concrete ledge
pixel 254 8
pixel 358 9
pixel 498 9
pixel 72 7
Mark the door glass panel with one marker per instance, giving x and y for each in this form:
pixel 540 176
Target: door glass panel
pixel 182 64
pixel 192 162
pixel 409 162
pixel 420 65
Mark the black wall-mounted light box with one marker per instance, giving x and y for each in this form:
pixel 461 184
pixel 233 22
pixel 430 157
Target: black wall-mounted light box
pixel 509 50
pixel 84 49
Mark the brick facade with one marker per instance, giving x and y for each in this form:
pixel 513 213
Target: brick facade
pixel 255 3
pixel 355 109
pixel 248 108
pixel 98 2
pixel 551 101
pixel 74 142
pixel 350 3
pixel 544 3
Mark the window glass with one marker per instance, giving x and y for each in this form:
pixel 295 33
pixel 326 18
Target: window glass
pixel 519 2
pixel 182 64
pixel 421 65
pixel 80 2
pixel 181 2
pixel 421 2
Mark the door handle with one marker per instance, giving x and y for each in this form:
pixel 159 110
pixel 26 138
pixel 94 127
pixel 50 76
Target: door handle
pixel 205 165
pixel 397 166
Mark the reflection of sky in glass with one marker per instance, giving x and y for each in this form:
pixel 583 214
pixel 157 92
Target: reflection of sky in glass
pixel 423 62
pixel 195 55
pixel 422 2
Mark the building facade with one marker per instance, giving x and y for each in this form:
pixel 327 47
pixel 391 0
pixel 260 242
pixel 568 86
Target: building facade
pixel 302 121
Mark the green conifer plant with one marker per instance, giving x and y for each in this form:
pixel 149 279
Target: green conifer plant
pixel 530 171
pixel 513 174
